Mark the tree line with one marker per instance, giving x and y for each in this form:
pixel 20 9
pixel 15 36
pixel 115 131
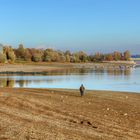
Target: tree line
pixel 21 53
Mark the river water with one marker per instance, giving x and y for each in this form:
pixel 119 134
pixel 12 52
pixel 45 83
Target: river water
pixel 114 80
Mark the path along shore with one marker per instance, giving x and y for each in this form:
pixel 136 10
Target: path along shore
pixel 59 114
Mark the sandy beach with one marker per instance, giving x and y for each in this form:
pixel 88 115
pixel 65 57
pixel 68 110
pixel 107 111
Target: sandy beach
pixel 59 114
pixel 38 68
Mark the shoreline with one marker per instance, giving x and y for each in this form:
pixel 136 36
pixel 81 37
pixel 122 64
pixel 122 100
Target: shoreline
pixel 90 90
pixel 28 113
pixel 44 68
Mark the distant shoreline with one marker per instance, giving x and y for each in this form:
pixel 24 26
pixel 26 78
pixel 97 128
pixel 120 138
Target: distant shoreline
pixel 44 68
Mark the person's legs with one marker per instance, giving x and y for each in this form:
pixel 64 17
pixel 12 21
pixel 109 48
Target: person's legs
pixel 81 93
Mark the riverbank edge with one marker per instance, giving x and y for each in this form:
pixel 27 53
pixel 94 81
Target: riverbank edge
pixel 44 68
pixel 71 91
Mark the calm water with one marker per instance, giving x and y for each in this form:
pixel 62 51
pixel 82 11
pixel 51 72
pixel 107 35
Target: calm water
pixel 116 80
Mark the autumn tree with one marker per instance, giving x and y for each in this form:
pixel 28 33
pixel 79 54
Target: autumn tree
pixel 61 56
pixel 82 56
pixel 50 56
pixel 117 56
pixel 9 53
pixel 67 55
pixel 20 51
pixel 67 58
pixel 127 55
pixel 27 55
pixel 73 58
pixel 2 58
pixel 109 57
pixel 36 54
pixel 23 53
pixel 98 57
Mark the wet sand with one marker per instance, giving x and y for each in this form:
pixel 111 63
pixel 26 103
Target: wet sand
pixel 59 114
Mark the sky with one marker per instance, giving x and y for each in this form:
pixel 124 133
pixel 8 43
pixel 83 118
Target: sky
pixel 89 25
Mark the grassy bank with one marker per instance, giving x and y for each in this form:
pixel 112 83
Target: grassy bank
pixel 62 114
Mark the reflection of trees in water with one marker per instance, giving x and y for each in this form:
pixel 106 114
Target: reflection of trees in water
pixel 70 71
pixel 82 71
pixel 114 72
pixel 3 83
pixel 126 72
pixel 23 83
pixel 7 82
pixel 11 82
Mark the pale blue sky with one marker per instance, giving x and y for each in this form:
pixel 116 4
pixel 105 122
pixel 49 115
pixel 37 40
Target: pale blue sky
pixel 90 25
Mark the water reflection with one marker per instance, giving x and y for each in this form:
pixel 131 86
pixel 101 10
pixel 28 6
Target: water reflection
pixel 7 82
pixel 55 77
pixel 96 71
pixel 126 72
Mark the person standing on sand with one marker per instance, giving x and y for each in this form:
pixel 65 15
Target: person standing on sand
pixel 82 90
